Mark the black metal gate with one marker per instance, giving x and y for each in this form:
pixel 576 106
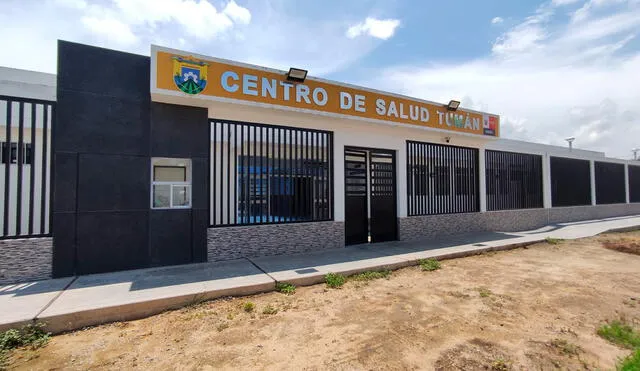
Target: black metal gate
pixel 384 225
pixel 356 191
pixel 26 172
pixel 370 196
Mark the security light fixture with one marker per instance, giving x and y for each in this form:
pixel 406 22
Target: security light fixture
pixel 453 105
pixel 635 153
pixel 296 74
pixel 570 141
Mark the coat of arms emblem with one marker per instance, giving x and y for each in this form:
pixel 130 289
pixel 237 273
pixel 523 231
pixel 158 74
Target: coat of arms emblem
pixel 189 75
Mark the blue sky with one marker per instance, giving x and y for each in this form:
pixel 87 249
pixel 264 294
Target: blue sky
pixel 551 69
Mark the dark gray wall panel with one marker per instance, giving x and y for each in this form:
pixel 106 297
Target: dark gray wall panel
pixel 105 133
pixel 170 237
pixel 634 183
pixel 112 241
pixel 610 187
pixel 65 192
pixel 199 225
pixel 64 244
pixel 200 183
pixel 113 182
pixel 101 124
pixel 570 182
pixel 179 131
pixel 102 71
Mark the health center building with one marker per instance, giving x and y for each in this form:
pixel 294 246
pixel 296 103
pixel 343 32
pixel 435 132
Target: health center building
pixel 123 161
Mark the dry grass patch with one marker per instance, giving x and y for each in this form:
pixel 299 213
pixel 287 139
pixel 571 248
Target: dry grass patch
pixel 623 245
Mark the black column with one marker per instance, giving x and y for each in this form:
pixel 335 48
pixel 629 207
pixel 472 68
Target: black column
pixel 101 144
pixel 179 236
pixel 107 129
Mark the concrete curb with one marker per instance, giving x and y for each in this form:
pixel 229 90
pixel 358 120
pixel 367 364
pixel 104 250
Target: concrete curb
pixel 131 311
pixel 317 278
pixel 14 325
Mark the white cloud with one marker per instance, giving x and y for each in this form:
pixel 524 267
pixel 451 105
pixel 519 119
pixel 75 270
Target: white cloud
pixel 199 18
pixel 526 36
pixel 237 13
pixel 273 33
pixel 111 29
pixel 73 4
pixel 548 80
pixel 564 2
pixel 378 28
pixel 497 20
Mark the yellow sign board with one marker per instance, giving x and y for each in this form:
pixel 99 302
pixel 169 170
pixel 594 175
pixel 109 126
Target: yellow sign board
pixel 180 74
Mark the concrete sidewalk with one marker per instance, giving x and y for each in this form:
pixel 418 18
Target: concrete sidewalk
pixel 72 303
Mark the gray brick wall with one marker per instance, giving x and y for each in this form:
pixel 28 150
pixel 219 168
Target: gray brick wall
pixel 225 243
pixel 23 260
pixel 430 226
pixel 577 213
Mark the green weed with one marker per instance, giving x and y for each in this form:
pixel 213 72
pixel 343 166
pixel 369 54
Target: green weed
pixel 249 307
pixel 32 335
pixel 370 275
pixel 553 241
pixel 621 334
pixel 566 347
pixel 269 309
pixel 499 365
pixel 484 292
pixel 630 363
pixel 285 288
pixel 334 280
pixel 429 264
pixel 3 359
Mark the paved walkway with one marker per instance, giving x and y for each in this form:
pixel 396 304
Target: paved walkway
pixel 71 303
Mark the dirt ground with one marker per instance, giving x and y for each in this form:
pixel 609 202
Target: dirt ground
pixel 534 308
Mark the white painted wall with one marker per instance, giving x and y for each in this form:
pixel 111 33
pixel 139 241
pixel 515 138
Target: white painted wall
pixel 27 84
pixel 34 85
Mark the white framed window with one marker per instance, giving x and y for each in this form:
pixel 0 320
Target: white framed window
pixel 170 183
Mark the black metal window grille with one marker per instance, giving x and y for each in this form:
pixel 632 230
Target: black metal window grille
pixel 610 187
pixel 570 182
pixel 634 183
pixel 514 180
pixel 441 179
pixel 25 153
pixel 264 174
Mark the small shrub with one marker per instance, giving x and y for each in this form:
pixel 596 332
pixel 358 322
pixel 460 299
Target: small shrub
pixel 285 288
pixel 249 307
pixel 499 365
pixel 334 280
pixel 429 264
pixel 566 347
pixel 621 334
pixel 269 309
pixel 484 292
pixel 10 339
pixel 370 275
pixel 3 359
pixel 630 363
pixel 32 335
pixel 553 241
pixel 223 326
